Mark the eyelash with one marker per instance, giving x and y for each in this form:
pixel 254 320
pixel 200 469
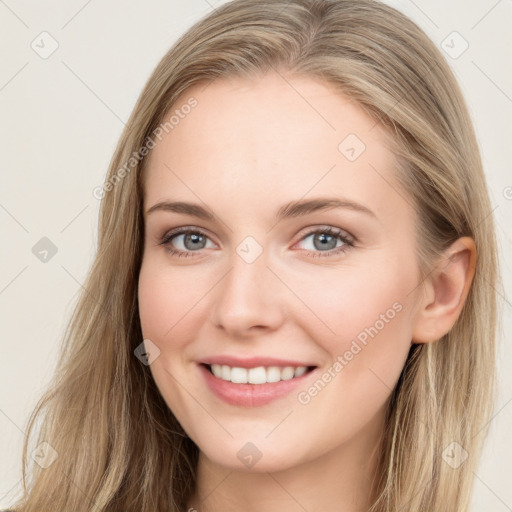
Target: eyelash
pixel 347 241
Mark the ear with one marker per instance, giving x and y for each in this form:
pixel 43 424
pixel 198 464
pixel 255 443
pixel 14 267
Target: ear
pixel 445 291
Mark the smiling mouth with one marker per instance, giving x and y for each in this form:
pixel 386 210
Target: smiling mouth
pixel 257 375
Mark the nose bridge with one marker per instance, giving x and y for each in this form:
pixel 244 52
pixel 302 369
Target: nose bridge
pixel 250 293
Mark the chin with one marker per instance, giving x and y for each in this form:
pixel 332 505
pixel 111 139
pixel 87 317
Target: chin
pixel 252 458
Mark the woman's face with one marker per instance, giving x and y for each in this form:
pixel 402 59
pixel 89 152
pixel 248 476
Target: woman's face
pixel 259 292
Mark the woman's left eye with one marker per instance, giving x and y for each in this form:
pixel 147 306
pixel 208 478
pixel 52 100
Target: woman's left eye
pixel 328 238
pixel 193 240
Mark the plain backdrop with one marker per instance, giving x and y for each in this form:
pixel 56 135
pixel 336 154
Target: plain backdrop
pixel 61 115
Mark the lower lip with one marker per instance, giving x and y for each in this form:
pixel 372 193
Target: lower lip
pixel 250 395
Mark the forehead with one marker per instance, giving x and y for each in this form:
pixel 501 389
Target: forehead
pixel 270 139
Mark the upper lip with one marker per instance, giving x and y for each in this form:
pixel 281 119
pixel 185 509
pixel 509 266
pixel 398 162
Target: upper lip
pixel 252 362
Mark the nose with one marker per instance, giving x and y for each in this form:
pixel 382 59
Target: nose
pixel 249 300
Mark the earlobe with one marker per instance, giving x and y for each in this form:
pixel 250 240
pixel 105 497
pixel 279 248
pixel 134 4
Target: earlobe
pixel 446 290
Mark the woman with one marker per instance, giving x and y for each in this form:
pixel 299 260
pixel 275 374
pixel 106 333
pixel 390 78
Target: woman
pixel 221 359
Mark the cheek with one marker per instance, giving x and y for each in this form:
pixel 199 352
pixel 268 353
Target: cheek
pixel 365 330
pixel 166 307
pixel 171 309
pixel 356 303
pixel 166 299
pixel 155 304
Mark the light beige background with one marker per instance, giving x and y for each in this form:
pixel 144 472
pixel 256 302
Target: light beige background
pixel 61 117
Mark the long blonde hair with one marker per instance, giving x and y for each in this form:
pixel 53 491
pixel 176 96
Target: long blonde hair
pixel 118 445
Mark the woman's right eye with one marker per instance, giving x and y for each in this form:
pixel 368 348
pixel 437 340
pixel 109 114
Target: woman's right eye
pixel 192 240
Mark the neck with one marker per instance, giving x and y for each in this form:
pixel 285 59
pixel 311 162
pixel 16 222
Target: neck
pixel 340 479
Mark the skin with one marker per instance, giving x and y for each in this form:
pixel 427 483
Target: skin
pixel 249 147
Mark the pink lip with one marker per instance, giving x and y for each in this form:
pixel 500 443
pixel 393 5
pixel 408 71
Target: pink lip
pixel 251 395
pixel 252 362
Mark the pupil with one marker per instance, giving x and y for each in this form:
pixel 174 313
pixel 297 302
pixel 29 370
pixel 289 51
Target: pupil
pixel 325 242
pixel 194 237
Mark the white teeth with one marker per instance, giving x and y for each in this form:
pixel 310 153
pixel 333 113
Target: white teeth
pixel 217 370
pixel 301 370
pixel 273 374
pixel 226 372
pixel 258 375
pixel 239 375
pixel 287 373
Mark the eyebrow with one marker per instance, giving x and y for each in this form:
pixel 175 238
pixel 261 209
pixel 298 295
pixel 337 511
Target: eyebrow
pixel 292 209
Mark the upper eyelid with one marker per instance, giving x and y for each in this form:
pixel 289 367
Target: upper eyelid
pixel 183 230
